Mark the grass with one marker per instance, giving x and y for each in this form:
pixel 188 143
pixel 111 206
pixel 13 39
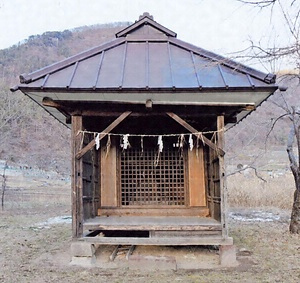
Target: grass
pixel 250 191
pixel 31 254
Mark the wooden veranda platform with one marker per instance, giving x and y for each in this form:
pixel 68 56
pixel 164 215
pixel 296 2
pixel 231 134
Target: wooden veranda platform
pixel 143 230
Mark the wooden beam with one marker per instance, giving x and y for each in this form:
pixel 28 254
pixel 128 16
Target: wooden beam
pixel 115 123
pixel 149 104
pixel 154 211
pixel 146 227
pixel 223 188
pixel 77 182
pixel 250 107
pixel 49 102
pixel 138 113
pixel 170 241
pixel 196 133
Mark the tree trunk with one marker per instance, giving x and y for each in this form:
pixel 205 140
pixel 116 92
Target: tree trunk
pixel 295 168
pixel 295 216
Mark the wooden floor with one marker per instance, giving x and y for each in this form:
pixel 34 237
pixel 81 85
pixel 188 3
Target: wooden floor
pixel 170 223
pixel 166 231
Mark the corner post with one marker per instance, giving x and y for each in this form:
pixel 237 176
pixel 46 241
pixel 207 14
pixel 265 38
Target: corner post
pixel 77 204
pixel 223 187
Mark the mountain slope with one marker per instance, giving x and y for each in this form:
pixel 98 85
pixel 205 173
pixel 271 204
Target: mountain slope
pixel 29 135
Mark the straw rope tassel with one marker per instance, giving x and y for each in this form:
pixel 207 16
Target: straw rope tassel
pixel 97 141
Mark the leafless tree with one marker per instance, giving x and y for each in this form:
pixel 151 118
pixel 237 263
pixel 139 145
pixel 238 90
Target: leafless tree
pixel 290 11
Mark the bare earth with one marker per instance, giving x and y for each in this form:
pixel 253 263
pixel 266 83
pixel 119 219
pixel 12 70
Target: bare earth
pixel 35 237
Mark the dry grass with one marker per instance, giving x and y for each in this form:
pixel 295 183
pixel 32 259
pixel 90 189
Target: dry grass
pixel 30 253
pixel 26 193
pixel 244 190
pixel 247 190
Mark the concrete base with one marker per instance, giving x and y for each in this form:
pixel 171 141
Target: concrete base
pixel 228 256
pixel 83 254
pixel 151 258
pixel 81 249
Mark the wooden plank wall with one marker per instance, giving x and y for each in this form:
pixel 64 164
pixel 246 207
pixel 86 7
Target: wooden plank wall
pixel 109 188
pixel 90 180
pixel 196 177
pixel 213 183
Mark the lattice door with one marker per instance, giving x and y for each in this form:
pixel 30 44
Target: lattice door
pixel 149 180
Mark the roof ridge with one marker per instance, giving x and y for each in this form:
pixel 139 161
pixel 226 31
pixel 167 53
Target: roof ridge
pixel 145 19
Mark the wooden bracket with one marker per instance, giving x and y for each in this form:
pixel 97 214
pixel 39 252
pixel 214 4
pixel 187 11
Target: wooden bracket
pixel 196 133
pixel 49 102
pixel 115 123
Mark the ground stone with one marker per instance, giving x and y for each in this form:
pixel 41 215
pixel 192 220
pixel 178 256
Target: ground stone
pixel 228 256
pixel 152 262
pixel 83 261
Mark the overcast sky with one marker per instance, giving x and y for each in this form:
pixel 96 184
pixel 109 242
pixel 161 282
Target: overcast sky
pixel 221 26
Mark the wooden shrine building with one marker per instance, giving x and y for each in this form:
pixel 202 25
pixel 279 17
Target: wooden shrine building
pixel 147 113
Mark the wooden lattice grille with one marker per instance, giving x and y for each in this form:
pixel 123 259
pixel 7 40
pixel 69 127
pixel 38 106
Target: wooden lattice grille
pixel 147 179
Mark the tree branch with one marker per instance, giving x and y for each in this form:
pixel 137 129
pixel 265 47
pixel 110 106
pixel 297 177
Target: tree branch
pixel 245 168
pixel 261 4
pixel 273 125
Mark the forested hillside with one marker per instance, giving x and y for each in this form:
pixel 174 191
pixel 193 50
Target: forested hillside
pixel 30 136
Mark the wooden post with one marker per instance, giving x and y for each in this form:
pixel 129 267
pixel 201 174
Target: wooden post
pixel 77 203
pixel 223 187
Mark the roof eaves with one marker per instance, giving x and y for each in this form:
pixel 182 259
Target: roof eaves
pixel 225 89
pixel 27 78
pixel 145 20
pixel 267 78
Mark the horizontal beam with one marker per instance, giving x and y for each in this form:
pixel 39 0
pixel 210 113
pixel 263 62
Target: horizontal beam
pixel 154 211
pixel 153 227
pixel 170 241
pixel 240 98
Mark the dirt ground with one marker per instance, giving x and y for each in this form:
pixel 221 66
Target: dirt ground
pixel 35 237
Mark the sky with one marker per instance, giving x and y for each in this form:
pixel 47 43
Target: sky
pixel 221 26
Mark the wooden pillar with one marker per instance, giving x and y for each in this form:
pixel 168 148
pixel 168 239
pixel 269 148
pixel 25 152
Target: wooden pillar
pixel 223 187
pixel 77 184
pixel 196 177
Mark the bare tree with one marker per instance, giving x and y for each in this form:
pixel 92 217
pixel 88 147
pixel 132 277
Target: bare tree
pixel 294 135
pixel 287 46
pixel 290 11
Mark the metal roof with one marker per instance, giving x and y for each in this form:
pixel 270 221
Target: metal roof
pixel 147 58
